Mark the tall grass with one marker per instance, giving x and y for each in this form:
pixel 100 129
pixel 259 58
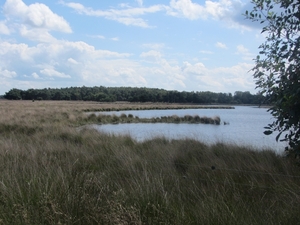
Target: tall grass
pixel 123 118
pixel 51 173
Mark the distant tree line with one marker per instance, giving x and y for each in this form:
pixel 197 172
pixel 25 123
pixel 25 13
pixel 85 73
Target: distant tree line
pixel 133 94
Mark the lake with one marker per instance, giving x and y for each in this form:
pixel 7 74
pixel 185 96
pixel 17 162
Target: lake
pixel 245 126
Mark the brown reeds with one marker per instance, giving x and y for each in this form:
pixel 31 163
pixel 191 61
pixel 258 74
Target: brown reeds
pixel 123 118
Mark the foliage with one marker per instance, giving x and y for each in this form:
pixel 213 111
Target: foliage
pixel 133 94
pixel 278 65
pixel 13 94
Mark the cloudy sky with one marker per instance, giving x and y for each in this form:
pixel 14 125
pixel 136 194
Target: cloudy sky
pixel 184 45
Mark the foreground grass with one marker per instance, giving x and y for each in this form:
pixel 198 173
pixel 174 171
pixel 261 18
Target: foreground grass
pixel 53 174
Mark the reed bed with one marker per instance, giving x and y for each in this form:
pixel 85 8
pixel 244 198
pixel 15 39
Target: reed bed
pixel 123 118
pixel 51 173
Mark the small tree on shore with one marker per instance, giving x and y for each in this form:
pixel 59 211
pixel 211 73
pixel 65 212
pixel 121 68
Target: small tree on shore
pixel 277 69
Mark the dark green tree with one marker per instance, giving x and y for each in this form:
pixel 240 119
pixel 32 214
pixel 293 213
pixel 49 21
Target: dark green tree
pixel 13 94
pixel 277 69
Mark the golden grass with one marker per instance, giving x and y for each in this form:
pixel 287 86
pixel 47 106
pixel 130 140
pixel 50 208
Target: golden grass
pixel 51 173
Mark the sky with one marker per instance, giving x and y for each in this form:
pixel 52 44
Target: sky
pixel 183 45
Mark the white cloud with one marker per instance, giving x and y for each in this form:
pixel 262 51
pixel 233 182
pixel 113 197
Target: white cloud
pixel 40 35
pixel 97 36
pixel 3 28
pixel 89 66
pixel 128 16
pixel 221 45
pixel 221 78
pixel 36 15
pixel 10 52
pixel 73 61
pixel 53 73
pixel 151 55
pixel 53 60
pixel 115 39
pixel 187 9
pixel 35 75
pixel 7 74
pixel 116 72
pixel 228 11
pixel 198 68
pixel 63 59
pixel 246 54
pixel 214 9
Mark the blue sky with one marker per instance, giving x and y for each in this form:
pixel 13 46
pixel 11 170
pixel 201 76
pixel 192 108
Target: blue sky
pixel 183 45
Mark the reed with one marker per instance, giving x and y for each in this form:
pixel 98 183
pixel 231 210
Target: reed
pixel 123 118
pixel 53 173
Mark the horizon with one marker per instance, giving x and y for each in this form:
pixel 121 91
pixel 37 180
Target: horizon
pixel 179 45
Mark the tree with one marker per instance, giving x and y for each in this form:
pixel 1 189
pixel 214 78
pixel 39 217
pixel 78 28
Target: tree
pixel 13 94
pixel 277 69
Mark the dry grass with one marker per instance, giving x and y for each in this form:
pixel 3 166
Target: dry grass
pixel 53 174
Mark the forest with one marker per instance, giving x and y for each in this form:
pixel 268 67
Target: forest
pixel 133 94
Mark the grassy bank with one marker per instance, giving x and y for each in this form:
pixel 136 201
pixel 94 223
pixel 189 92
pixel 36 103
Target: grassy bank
pixel 124 118
pixel 53 174
pixel 117 106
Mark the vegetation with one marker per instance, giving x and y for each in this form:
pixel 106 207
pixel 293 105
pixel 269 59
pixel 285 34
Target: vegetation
pixel 278 66
pixel 125 106
pixel 51 173
pixel 123 118
pixel 112 94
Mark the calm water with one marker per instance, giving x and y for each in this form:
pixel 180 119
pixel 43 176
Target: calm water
pixel 245 126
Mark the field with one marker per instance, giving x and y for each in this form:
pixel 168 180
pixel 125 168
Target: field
pixel 54 173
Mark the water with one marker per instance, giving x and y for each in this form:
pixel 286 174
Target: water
pixel 245 127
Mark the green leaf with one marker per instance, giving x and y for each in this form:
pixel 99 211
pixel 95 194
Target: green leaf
pixel 278 136
pixel 268 132
pixel 268 128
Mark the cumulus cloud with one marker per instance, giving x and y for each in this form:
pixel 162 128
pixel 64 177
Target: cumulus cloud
pixel 10 52
pixel 53 60
pixel 63 60
pixel 7 74
pixel 53 73
pixel 86 65
pixel 35 75
pixel 221 78
pixel 127 16
pixel 187 9
pixel 3 28
pixel 40 35
pixel 229 11
pixel 214 9
pixel 36 15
